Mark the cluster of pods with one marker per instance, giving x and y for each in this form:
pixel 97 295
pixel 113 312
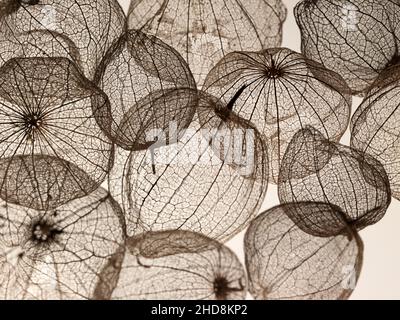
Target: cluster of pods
pixel 133 147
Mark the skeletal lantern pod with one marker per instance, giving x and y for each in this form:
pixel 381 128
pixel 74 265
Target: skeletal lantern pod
pixel 375 127
pixel 173 265
pixel 43 43
pixel 46 110
pixel 81 30
pixel 60 253
pixel 317 170
pixel 281 92
pixel 212 178
pixel 149 86
pixel 203 31
pixel 356 38
pixel 42 182
pixel 284 262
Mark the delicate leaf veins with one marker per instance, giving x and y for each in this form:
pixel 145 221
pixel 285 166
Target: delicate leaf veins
pixel 204 31
pixel 376 125
pixel 356 38
pixel 46 110
pixel 81 30
pixel 59 254
pixel 316 170
pixel 211 180
pixel 281 92
pixel 150 87
pixel 175 265
pixel 283 262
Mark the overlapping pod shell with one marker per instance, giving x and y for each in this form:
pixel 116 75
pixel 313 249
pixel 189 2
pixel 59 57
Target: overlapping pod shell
pixel 317 170
pixel 58 254
pixel 285 263
pixel 175 265
pixel 357 38
pixel 80 30
pixel 375 127
pixel 203 31
pixel 281 91
pixel 46 110
pixel 210 179
pixel 150 87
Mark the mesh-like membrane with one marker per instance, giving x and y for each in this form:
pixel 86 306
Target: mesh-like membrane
pixel 285 263
pixel 356 38
pixel 317 170
pixel 176 265
pixel 212 179
pixel 375 127
pixel 58 254
pixel 81 30
pixel 281 92
pixel 204 31
pixel 46 110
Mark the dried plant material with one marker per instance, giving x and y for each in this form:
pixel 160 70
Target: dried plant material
pixel 316 170
pixel 59 254
pixel 204 31
pixel 46 110
pixel 317 218
pixel 175 265
pixel 149 86
pixel 81 30
pixel 281 92
pixel 376 127
pixel 42 182
pixel 283 262
pixel 356 38
pixel 116 180
pixel 211 180
pixel 41 43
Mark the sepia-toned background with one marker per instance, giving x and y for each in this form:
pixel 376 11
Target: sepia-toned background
pixel 380 277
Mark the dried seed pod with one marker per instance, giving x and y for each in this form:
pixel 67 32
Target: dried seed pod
pixel 316 170
pixel 375 126
pixel 281 92
pixel 203 31
pixel 212 180
pixel 42 182
pixel 46 109
pixel 41 43
pixel 81 30
pixel 175 265
pixel 59 254
pixel 357 38
pixel 149 86
pixel 284 262
pixel 317 218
